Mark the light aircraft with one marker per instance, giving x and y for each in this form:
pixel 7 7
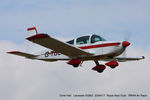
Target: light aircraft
pixel 90 47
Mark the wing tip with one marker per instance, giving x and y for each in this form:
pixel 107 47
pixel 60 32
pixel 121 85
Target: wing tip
pixel 38 36
pixel 12 52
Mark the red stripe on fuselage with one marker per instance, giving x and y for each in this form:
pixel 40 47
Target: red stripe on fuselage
pixel 94 46
pixel 100 45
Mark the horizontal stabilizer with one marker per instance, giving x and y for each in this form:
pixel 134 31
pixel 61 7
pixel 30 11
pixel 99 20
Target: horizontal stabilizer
pixel 27 55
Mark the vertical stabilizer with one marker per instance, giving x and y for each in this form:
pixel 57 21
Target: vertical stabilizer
pixel 32 31
pixel 30 46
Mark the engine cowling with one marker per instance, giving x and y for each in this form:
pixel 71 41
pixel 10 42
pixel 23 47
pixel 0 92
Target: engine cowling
pixel 112 64
pixel 74 62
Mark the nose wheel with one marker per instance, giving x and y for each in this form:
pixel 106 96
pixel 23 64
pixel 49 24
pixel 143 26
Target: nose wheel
pixel 75 65
pixel 99 67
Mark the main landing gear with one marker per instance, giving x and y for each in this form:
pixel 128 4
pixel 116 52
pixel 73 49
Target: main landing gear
pixel 75 62
pixel 112 64
pixel 99 67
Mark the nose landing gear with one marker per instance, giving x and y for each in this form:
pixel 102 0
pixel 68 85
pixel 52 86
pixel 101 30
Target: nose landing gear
pixel 99 67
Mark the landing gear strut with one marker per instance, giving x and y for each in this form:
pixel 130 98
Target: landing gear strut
pixel 99 67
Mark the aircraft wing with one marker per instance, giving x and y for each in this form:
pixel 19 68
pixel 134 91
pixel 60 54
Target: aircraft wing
pixel 123 59
pixel 27 55
pixel 58 46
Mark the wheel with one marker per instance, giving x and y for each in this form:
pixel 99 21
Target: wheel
pixel 99 68
pixel 75 65
pixel 100 71
pixel 112 67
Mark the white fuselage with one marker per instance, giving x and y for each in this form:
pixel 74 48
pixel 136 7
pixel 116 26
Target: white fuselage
pixel 109 48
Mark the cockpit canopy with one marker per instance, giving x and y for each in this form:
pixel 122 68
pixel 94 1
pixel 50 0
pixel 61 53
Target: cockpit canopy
pixel 82 40
pixel 86 40
pixel 96 38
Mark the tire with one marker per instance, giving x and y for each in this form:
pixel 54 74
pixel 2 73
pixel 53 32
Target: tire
pixel 100 71
pixel 75 65
pixel 112 67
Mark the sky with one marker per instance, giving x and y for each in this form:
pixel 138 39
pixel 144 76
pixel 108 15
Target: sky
pixel 115 20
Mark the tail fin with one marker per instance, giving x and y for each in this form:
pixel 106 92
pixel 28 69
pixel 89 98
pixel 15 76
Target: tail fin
pixel 32 47
pixel 32 31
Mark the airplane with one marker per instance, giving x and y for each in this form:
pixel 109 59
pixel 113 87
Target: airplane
pixel 84 48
